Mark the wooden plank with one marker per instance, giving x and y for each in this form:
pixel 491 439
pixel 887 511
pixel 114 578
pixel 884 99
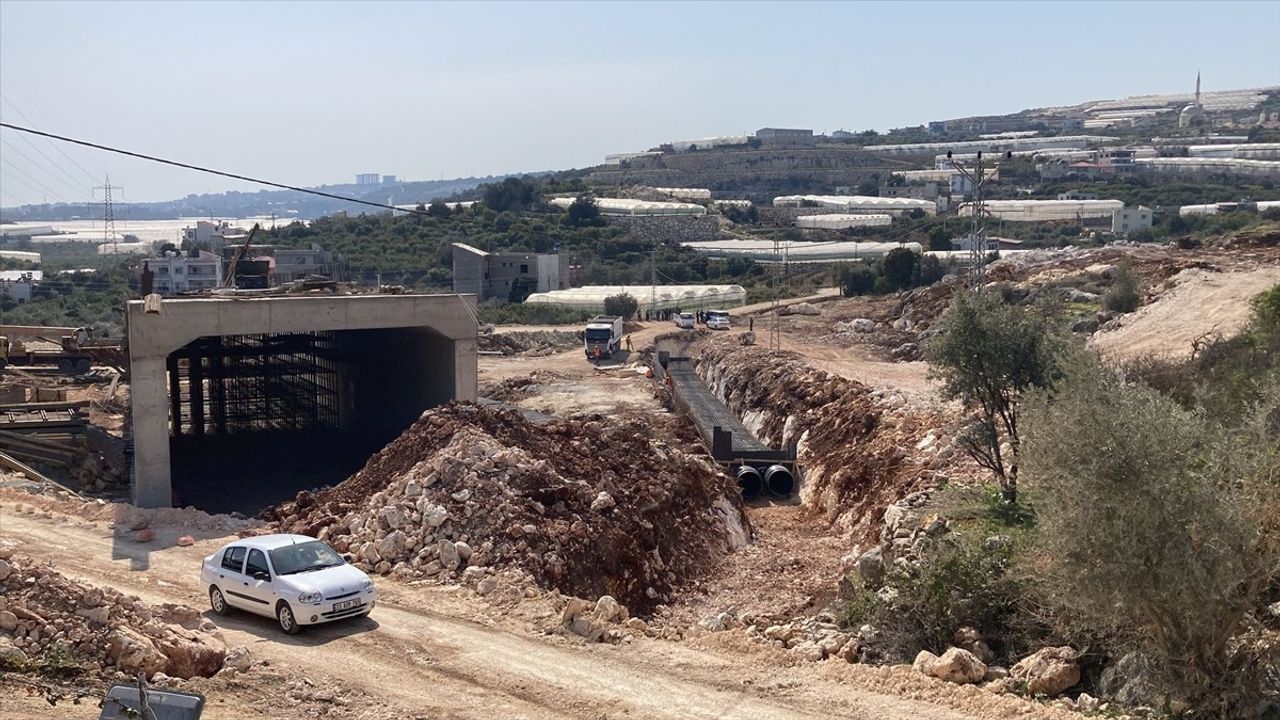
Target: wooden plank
pixel 48 442
pixel 43 406
pixel 14 464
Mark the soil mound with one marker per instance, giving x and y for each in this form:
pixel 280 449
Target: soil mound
pixel 588 507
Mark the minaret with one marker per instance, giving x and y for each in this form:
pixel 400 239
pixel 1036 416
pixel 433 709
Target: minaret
pixel 1197 88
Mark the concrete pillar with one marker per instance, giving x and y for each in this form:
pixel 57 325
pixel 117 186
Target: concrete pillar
pixel 464 370
pixel 151 487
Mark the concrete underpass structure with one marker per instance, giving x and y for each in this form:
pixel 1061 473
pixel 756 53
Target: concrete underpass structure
pixel 241 402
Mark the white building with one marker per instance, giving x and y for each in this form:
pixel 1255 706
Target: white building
pixel 1130 219
pixel 368 179
pixel 19 285
pixel 212 235
pixel 187 272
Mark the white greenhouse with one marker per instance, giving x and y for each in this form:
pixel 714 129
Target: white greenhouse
pixel 660 297
pixel 1193 165
pixel 858 204
pixel 1031 143
pixel 626 206
pixel 685 193
pixel 1046 210
pixel 1244 151
pixel 798 252
pixel 842 222
pixel 1215 208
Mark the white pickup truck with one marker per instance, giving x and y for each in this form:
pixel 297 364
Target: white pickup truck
pixel 603 336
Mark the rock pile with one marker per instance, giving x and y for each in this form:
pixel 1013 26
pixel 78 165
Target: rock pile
pixel 47 620
pixel 588 507
pixel 532 343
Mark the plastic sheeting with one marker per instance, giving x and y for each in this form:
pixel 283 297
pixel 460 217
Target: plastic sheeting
pixel 1045 210
pixel 1233 166
pixel 1215 208
pixel 1031 143
pixel 662 297
pixel 842 222
pixel 626 206
pixel 798 252
pixel 858 204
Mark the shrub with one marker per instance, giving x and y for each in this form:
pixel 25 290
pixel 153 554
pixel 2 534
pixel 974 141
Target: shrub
pixel 1122 296
pixel 963 583
pixel 623 305
pixel 1160 528
pixel 860 280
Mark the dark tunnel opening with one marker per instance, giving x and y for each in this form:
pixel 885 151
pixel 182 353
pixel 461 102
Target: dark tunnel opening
pixel 253 419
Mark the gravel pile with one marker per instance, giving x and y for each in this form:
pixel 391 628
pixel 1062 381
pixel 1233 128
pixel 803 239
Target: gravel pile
pixel 52 625
pixel 589 508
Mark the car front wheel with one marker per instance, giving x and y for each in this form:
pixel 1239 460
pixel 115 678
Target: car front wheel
pixel 217 601
pixel 288 623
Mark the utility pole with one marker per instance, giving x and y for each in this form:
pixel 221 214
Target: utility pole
pixel 653 282
pixel 977 176
pixel 775 333
pixel 109 214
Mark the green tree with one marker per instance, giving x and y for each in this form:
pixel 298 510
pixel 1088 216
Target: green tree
pixel 988 355
pixel 584 211
pixel 438 208
pixel 899 268
pixel 940 238
pixel 623 305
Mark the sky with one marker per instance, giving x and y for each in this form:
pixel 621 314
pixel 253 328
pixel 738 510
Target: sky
pixel 312 93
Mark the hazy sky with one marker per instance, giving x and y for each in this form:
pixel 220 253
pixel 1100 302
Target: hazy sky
pixel 311 93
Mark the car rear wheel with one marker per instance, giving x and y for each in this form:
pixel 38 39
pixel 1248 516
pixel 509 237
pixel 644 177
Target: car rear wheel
pixel 217 601
pixel 288 623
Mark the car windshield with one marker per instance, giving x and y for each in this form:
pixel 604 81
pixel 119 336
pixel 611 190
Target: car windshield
pixel 599 335
pixel 713 314
pixel 304 557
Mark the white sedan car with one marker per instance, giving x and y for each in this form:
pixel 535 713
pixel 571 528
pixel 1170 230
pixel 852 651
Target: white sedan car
pixel 718 320
pixel 296 579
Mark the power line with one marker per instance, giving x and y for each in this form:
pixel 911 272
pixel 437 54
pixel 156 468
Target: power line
pixel 32 179
pixel 210 171
pixel 12 85
pixel 68 181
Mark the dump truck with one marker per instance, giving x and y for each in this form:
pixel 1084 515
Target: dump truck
pixel 72 350
pixel 603 336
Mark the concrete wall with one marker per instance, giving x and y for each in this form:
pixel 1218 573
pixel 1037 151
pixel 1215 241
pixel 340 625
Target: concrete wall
pixel 436 332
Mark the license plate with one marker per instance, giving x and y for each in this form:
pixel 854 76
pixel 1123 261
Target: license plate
pixel 347 605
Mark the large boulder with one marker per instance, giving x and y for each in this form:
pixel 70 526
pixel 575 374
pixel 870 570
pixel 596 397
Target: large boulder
pixel 1048 671
pixel 133 652
pixel 958 666
pixel 191 653
pixel 1130 681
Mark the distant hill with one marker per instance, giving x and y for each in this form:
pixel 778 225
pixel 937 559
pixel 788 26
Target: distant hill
pixel 283 203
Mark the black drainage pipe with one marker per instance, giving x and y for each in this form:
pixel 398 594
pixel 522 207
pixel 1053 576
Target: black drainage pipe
pixel 749 482
pixel 779 481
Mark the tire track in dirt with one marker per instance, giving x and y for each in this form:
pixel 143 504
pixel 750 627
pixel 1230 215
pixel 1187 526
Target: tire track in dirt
pixel 426 661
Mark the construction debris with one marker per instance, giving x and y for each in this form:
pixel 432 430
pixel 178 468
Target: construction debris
pixel 588 507
pixel 49 623
pixel 535 343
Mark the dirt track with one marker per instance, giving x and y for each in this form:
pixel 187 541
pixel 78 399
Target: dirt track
pixel 439 653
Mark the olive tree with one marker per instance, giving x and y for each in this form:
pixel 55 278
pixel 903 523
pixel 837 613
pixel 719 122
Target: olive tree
pixel 622 305
pixel 1160 530
pixel 987 355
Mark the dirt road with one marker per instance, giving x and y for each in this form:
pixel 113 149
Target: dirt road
pixel 429 651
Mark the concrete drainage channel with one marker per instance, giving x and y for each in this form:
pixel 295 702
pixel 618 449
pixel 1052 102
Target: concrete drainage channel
pixel 758 468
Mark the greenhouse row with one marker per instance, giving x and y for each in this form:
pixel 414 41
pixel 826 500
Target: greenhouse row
pixel 660 297
pixel 1247 151
pixel 842 222
pixel 685 193
pixel 1215 208
pixel 1031 143
pixel 626 206
pixel 858 204
pixel 1045 210
pixel 1235 166
pixel 798 252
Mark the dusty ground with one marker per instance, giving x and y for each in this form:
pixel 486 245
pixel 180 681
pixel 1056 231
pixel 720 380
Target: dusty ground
pixel 1198 303
pixel 439 652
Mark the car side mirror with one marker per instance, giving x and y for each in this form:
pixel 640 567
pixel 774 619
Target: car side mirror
pixel 347 557
pixel 259 575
